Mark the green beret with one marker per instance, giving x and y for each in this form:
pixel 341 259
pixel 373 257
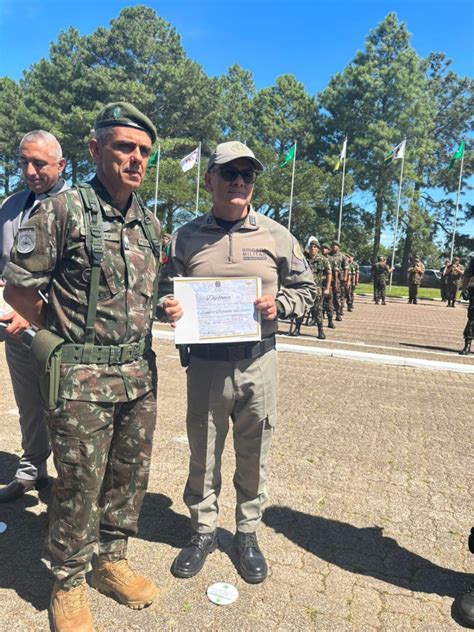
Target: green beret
pixel 335 243
pixel 122 114
pixel 325 245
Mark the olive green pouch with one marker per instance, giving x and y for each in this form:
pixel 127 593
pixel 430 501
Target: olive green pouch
pixel 46 351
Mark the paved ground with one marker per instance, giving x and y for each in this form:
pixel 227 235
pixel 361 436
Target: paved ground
pixel 371 495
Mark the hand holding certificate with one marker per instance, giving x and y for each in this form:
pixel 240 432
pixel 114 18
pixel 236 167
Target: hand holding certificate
pixel 217 309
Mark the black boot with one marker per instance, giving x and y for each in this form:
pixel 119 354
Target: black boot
pixel 252 564
pixel 383 302
pixel 338 317
pixel 191 559
pixel 331 324
pixel 321 334
pixel 466 607
pixel 467 347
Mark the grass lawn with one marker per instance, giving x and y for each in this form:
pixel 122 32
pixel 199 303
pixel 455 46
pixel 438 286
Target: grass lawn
pixel 398 290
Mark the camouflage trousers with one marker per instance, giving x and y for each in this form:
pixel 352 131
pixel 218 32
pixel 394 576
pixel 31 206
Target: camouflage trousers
pixel 338 298
pixel 349 293
pixel 451 291
pixel 328 305
pixel 379 291
pixel 469 328
pixel 102 453
pixel 412 291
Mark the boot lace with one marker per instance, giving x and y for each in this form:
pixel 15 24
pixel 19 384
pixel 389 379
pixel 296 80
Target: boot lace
pixel 122 569
pixel 75 599
pixel 248 541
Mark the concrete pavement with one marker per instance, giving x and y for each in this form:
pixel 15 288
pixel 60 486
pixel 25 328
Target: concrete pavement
pixel 370 482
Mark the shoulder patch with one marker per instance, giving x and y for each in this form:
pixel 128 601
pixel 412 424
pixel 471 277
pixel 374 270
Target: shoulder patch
pixel 26 240
pixel 297 252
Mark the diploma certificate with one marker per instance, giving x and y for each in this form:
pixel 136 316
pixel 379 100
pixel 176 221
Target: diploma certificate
pixel 217 309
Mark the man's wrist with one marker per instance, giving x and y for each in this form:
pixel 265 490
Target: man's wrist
pixel 280 309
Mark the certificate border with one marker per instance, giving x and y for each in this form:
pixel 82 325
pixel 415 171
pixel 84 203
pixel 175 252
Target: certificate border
pixel 222 339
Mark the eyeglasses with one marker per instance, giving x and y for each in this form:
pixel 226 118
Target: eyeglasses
pixel 230 174
pixel 37 165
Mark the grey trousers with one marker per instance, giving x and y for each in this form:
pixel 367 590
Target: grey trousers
pixel 34 434
pixel 246 392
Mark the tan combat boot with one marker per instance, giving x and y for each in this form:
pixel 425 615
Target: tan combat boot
pixel 118 579
pixel 70 610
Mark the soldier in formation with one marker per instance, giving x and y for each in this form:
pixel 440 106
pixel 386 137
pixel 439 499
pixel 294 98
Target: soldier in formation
pixel 381 272
pixel 328 299
pixel 321 269
pixel 352 281
pixel 339 278
pixel 415 274
pixel 453 273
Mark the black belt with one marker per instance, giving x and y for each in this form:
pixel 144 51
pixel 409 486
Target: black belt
pixel 233 351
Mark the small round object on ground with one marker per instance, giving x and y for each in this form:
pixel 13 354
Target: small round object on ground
pixel 3 527
pixel 222 594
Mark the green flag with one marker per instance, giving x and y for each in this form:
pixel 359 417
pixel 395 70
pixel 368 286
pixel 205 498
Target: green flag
pixel 457 155
pixel 290 154
pixel 153 159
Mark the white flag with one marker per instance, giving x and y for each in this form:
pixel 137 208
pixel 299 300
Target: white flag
pixel 342 155
pixel 399 150
pixel 190 160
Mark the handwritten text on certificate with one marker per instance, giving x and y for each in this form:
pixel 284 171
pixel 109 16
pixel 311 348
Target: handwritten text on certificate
pixel 217 309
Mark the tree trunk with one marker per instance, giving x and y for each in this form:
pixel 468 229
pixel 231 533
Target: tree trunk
pixel 169 220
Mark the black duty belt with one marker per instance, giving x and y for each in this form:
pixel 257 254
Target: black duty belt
pixel 233 351
pixel 109 354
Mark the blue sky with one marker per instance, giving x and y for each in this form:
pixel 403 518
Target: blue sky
pixel 312 39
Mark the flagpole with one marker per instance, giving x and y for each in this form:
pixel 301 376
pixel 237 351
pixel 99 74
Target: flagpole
pixel 291 191
pixel 157 177
pixel 342 191
pixel 457 205
pixel 395 234
pixel 198 176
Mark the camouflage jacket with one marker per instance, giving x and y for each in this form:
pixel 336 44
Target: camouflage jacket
pixel 54 259
pixel 415 273
pixel 353 269
pixel 381 272
pixel 320 267
pixel 340 264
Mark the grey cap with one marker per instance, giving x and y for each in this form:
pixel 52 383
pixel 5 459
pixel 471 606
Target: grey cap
pixel 232 150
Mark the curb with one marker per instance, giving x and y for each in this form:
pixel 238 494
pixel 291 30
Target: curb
pixel 361 356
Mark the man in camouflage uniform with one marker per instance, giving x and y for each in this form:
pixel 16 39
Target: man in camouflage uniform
pixel 453 274
pixel 415 274
pixel 328 299
pixel 352 281
pixel 339 278
pixel 468 295
pixel 233 380
pixel 321 270
pixel 94 249
pixel 381 273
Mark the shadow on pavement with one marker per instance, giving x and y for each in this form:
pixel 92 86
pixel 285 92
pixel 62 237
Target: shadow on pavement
pixel 8 467
pixel 432 347
pixel 365 551
pixel 21 550
pixel 159 523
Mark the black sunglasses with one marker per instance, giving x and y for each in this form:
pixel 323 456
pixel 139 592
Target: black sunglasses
pixel 229 174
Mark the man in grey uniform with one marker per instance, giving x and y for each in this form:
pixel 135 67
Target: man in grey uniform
pixel 42 163
pixel 236 380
